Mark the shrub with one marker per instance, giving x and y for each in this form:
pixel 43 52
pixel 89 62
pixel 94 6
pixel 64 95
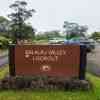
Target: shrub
pixel 4 42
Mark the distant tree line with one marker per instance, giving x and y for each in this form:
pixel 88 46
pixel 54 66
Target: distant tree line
pixel 95 35
pixel 48 35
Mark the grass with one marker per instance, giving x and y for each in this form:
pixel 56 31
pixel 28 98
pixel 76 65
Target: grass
pixel 4 71
pixel 93 94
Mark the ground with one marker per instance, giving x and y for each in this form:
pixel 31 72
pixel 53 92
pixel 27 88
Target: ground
pixel 93 61
pixel 94 57
pixel 92 94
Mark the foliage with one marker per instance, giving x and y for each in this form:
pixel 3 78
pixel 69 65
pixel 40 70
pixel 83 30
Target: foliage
pixel 4 71
pixel 96 85
pixel 4 42
pixel 74 30
pixel 48 35
pixel 3 19
pixel 52 34
pixel 27 32
pixel 18 28
pixel 41 37
pixel 4 25
pixel 95 35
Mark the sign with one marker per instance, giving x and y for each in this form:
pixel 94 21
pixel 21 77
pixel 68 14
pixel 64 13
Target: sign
pixel 51 60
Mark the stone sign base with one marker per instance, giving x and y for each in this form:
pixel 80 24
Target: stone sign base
pixel 44 83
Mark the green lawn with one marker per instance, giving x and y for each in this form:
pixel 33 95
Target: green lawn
pixel 4 71
pixel 93 94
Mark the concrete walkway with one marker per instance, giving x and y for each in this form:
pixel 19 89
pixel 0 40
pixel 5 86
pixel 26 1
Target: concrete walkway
pixel 93 61
pixel 3 61
pixel 3 58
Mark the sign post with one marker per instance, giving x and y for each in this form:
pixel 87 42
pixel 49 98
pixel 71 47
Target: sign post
pixel 51 60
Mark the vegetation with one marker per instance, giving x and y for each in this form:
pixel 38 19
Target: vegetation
pixel 4 24
pixel 18 27
pixel 4 42
pixel 4 34
pixel 95 35
pixel 4 38
pixel 74 30
pixel 48 35
pixel 93 94
pixel 4 71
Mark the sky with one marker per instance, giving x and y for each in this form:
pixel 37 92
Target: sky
pixel 51 14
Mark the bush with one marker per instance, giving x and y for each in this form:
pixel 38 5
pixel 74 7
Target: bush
pixel 4 42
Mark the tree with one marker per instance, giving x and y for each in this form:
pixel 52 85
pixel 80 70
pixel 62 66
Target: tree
pixel 95 35
pixel 48 35
pixel 4 24
pixel 52 34
pixel 74 30
pixel 27 32
pixel 19 28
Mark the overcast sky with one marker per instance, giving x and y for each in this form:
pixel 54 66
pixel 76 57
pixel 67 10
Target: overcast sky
pixel 51 14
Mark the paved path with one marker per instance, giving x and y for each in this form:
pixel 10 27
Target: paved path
pixel 93 61
pixel 3 58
